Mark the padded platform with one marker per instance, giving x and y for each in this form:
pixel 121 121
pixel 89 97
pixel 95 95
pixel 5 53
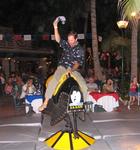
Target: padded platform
pixel 116 131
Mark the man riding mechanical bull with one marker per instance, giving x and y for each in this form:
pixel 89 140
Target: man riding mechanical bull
pixel 72 59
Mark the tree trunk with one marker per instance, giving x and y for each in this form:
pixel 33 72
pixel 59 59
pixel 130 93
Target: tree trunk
pixel 134 49
pixel 86 16
pixel 97 66
pixel 85 28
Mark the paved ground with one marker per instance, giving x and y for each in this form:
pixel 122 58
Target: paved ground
pixel 118 130
pixel 7 107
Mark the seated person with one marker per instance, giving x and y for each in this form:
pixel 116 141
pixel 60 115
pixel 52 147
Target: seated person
pixel 28 88
pixel 8 87
pixel 91 85
pixel 108 86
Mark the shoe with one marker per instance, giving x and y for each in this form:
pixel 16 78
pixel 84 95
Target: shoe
pixel 41 108
pixel 128 107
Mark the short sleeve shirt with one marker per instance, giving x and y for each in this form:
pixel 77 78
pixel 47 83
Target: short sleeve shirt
pixel 70 55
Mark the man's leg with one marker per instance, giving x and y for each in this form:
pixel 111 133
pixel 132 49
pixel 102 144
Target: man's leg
pixel 52 85
pixel 82 83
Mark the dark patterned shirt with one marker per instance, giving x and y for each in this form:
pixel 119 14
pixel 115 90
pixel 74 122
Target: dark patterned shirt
pixel 70 55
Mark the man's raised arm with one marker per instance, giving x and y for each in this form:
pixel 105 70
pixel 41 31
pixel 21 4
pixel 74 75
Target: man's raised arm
pixel 56 32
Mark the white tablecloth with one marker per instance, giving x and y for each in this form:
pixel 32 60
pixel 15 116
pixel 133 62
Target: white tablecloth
pixel 35 101
pixel 108 102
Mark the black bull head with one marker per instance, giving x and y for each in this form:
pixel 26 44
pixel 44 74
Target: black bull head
pixel 58 106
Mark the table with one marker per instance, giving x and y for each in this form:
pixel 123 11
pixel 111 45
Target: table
pixel 35 101
pixel 109 101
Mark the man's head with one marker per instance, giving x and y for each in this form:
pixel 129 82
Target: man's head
pixel 72 38
pixel 109 81
pixel 30 81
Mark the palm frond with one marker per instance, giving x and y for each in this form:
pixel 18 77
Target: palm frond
pixel 121 5
pixel 126 7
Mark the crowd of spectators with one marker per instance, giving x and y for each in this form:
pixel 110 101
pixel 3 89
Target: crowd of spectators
pixel 111 65
pixel 18 85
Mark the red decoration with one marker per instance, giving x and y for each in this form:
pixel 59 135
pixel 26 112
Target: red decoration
pixel 45 37
pixel 17 37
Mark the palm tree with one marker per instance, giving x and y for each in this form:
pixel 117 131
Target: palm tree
pixel 127 9
pixel 97 66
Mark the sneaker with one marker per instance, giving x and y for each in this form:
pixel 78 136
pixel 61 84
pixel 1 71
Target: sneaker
pixel 128 107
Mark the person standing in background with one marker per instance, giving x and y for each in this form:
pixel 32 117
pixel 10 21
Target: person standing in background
pixel 133 91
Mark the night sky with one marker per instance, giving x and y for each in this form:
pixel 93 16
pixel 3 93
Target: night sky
pixel 32 16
